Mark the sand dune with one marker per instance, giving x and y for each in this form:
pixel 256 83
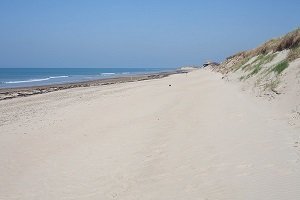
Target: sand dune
pixel 200 138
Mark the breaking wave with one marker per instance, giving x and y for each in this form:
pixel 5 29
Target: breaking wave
pixel 35 80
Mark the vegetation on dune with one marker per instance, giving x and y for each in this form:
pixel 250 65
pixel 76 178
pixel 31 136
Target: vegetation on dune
pixel 249 66
pixel 256 70
pixel 289 41
pixel 257 64
pixel 246 66
pixel 242 53
pixel 240 64
pixel 267 58
pixel 281 66
pixel 293 54
pixel 254 65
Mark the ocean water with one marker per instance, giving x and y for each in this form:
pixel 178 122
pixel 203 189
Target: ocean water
pixel 24 77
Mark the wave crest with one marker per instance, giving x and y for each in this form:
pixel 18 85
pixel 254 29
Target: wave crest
pixel 35 80
pixel 107 74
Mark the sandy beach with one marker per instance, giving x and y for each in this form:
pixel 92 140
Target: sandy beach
pixel 185 136
pixel 15 92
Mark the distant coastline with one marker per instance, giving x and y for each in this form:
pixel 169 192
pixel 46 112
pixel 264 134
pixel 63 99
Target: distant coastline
pixel 9 93
pixel 27 77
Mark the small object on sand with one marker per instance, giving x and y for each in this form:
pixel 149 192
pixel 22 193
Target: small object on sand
pixel 169 85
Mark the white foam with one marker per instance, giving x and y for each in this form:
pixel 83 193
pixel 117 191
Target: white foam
pixel 51 77
pixel 107 74
pixel 35 80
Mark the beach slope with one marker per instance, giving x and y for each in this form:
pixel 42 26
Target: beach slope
pixel 186 136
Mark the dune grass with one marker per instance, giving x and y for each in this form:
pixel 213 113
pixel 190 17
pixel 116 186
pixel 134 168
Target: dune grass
pixel 268 58
pixel 288 41
pixel 293 54
pixel 257 64
pixel 280 67
pixel 238 65
pixel 256 70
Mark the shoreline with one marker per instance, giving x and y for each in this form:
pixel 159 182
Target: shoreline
pixel 10 93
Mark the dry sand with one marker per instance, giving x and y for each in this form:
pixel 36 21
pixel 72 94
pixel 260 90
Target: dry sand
pixel 200 138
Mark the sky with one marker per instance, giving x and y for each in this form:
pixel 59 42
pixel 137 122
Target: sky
pixel 136 33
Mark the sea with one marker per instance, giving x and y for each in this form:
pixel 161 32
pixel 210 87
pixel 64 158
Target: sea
pixel 26 77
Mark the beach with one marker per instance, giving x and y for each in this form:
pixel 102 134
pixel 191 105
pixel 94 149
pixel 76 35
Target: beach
pixel 183 136
pixel 23 91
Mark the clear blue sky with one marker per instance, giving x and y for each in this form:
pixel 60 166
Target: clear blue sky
pixel 137 33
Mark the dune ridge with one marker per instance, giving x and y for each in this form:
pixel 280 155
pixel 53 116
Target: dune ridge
pixel 272 71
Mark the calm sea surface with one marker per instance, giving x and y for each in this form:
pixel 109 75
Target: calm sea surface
pixel 23 77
